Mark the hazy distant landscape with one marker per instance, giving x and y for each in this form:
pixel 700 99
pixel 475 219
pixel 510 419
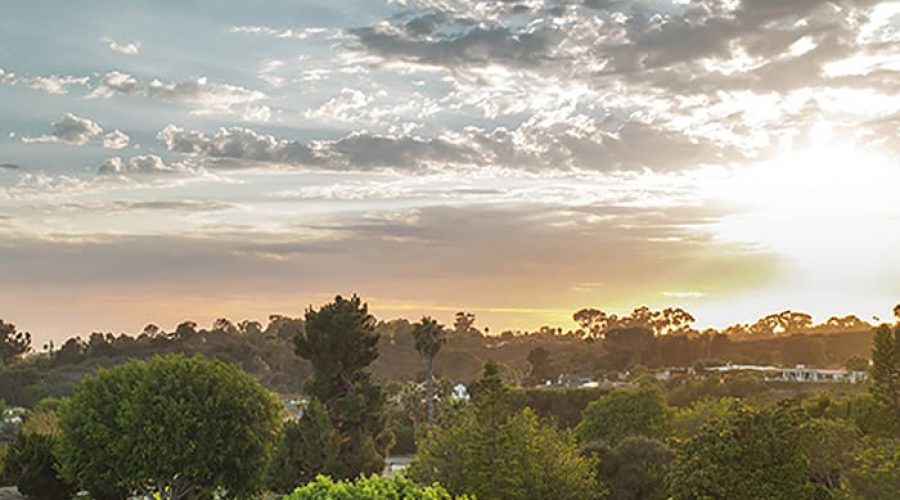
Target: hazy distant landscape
pixel 450 249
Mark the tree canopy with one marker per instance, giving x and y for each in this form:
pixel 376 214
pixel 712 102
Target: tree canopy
pixel 491 454
pixel 176 426
pixel 640 411
pixel 748 454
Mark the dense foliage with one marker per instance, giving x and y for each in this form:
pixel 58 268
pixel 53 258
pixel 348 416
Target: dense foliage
pixel 340 342
pixel 749 454
pixel 490 453
pixel 640 411
pixel 308 447
pixel 176 426
pixel 369 488
pixel 886 373
pixel 635 469
pixel 32 467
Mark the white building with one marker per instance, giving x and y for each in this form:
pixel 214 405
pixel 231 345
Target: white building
pixel 799 373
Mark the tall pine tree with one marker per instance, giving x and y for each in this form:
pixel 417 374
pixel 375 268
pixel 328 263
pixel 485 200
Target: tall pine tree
pixel 886 372
pixel 340 342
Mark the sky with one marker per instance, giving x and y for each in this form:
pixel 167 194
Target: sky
pixel 518 159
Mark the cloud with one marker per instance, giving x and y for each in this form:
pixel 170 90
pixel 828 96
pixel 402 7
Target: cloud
pixel 236 143
pixel 70 129
pixel 684 295
pixel 126 48
pixel 300 33
pixel 341 106
pixel 55 84
pixel 511 256
pixel 9 166
pixel 116 140
pixel 200 95
pixel 114 83
pixel 125 206
pixel 7 77
pixel 205 97
pixel 574 142
pixel 142 165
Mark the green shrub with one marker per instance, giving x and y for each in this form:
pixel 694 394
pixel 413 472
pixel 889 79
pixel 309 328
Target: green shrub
pixel 369 488
pixel 31 465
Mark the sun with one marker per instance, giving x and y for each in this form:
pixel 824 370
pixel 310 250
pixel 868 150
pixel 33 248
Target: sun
pixel 828 213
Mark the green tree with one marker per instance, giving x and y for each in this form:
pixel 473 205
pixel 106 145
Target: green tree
pixel 174 426
pixel 488 453
pixel 635 469
pixel 31 465
pixel 340 342
pixel 308 447
pixel 876 472
pixel 13 343
pixel 640 411
pixel 687 422
pixel 429 337
pixel 370 488
pixel 885 372
pixel 829 444
pixel 747 455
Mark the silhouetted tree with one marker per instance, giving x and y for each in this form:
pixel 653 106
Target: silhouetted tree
pixel 539 359
pixel 463 325
pixel 13 343
pixel 429 337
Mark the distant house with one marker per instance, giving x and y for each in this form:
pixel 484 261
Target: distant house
pixel 460 392
pixel 799 373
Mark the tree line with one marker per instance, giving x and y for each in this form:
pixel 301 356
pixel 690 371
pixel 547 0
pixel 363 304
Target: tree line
pixel 179 427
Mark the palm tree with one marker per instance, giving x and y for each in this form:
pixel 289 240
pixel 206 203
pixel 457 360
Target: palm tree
pixel 429 337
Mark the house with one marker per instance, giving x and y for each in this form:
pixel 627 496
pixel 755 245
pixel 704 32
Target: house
pixel 799 373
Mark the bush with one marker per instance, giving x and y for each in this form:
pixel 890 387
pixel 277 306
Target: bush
pixel 369 488
pixel 31 465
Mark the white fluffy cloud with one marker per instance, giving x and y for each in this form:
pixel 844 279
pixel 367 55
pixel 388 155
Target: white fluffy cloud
pixel 70 129
pixel 126 48
pixel 116 140
pixel 114 83
pixel 55 84
pixel 143 165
